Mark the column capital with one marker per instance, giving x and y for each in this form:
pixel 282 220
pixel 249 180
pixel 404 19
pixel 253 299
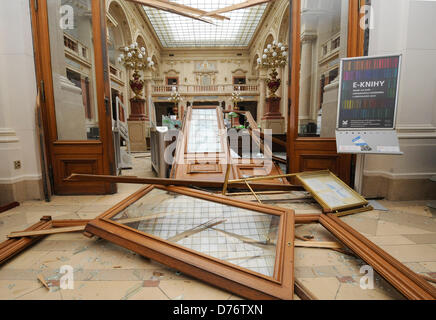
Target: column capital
pixel 308 36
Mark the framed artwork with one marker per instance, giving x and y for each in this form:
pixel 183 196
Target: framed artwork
pixel 330 191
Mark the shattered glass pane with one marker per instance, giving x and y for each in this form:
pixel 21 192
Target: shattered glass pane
pixel 242 237
pixel 204 131
pixel 175 30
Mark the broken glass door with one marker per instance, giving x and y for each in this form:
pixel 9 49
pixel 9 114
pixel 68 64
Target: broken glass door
pixel 239 246
pixel 242 237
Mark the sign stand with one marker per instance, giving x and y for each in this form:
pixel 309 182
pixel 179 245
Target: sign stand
pixel 367 108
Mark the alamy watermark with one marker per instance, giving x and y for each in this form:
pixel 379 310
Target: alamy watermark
pixel 367 281
pixel 368 18
pixel 67 280
pixel 67 17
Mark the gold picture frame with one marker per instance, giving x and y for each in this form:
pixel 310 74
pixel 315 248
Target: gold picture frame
pixel 330 191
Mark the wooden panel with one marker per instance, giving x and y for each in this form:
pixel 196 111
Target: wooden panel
pixel 316 153
pixel 252 170
pixel 204 168
pixel 78 166
pixel 66 165
pixel 65 156
pixel 313 162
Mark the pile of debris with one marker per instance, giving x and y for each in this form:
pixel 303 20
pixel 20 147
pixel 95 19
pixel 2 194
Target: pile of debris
pixel 245 247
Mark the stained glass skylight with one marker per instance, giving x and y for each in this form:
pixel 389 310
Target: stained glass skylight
pixel 177 31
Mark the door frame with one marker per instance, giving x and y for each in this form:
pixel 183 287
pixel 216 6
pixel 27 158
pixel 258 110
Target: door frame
pixel 299 148
pixel 98 155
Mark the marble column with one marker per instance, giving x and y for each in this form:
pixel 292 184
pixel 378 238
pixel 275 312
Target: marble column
pixel 148 95
pixel 307 39
pixel 262 94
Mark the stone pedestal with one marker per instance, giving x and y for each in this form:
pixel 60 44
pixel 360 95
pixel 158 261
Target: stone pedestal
pixel 273 119
pixel 138 126
pixel 330 110
pixel 137 110
pixel 139 132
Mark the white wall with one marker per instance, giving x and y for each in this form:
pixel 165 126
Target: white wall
pixel 408 27
pixel 18 139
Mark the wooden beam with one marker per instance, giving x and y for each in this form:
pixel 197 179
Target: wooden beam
pixel 263 178
pixel 168 7
pixel 145 218
pixel 280 160
pixel 274 140
pixel 41 278
pixel 429 279
pixel 302 292
pixel 242 5
pixel 318 244
pixel 12 247
pixel 252 191
pixel 226 179
pixel 410 284
pixel 45 232
pixel 192 10
pixel 8 206
pixel 181 182
pixel 195 230
pixel 69 223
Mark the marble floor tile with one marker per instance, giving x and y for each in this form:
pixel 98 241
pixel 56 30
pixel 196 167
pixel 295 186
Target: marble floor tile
pixel 385 228
pixel 390 240
pixel 42 294
pixel 330 287
pixel 361 224
pixel 103 290
pixel 430 266
pixel 14 289
pixel 192 290
pixel 412 253
pixel 429 238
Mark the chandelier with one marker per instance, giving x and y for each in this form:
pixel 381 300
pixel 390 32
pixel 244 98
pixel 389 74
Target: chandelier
pixel 236 97
pixel 175 98
pixel 134 58
pixel 274 56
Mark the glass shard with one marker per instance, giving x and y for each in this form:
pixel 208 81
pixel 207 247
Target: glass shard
pixel 242 237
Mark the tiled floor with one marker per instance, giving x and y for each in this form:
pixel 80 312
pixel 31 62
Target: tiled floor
pixel 105 271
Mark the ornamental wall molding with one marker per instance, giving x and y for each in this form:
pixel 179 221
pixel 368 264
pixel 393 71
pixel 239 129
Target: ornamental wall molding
pixel 8 135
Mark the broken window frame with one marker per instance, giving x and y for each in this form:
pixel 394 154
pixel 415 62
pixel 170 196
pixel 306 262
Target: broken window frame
pixel 406 281
pixel 238 280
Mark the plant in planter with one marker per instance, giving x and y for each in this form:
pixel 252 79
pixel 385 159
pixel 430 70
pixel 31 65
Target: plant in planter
pixel 233 115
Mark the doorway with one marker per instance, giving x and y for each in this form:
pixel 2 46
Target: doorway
pixel 73 81
pixel 322 32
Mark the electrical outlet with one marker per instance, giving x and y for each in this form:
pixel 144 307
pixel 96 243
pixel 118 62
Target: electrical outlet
pixel 17 165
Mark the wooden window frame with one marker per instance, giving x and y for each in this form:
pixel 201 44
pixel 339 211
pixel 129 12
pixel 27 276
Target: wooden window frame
pixel 407 282
pixel 298 146
pixel 227 276
pixel 355 44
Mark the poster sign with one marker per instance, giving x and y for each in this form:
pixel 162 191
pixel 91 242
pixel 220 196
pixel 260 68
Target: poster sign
pixel 367 108
pixel 369 92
